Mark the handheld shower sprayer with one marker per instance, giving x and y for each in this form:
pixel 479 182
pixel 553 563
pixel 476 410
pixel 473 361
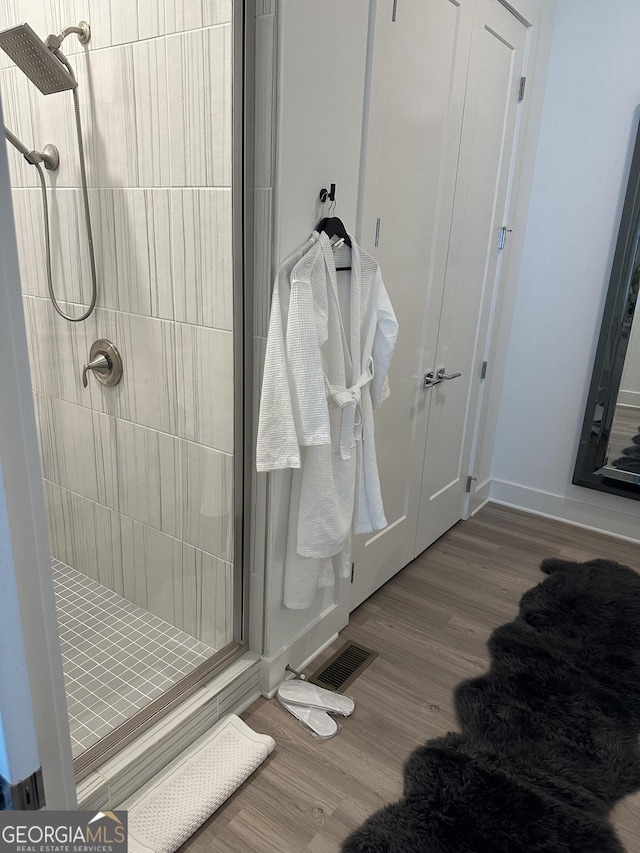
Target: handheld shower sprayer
pixel 48 69
pixel 49 154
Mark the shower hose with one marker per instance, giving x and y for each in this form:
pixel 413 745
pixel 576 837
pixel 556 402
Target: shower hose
pixel 87 216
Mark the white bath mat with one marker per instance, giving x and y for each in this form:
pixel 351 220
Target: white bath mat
pixel 194 785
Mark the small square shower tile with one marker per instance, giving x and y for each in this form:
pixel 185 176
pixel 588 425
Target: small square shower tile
pixel 123 704
pixel 128 667
pixel 102 691
pixel 171 658
pixel 103 730
pixel 79 693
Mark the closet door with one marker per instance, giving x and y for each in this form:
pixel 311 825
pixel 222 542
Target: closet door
pixel 416 98
pixel 489 136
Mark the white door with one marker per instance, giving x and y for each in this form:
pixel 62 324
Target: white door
pixel 34 729
pixel 438 185
pixel 480 211
pixel 417 85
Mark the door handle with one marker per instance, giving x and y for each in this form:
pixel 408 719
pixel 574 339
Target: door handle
pixel 430 381
pixel 441 375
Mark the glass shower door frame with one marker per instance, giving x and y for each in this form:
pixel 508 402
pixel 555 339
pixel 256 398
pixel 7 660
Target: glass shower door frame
pixel 34 727
pixel 242 254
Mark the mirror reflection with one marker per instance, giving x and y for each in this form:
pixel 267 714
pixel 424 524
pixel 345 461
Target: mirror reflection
pixel 609 452
pixel 624 441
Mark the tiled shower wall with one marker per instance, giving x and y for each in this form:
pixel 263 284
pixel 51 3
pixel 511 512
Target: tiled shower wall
pixel 138 477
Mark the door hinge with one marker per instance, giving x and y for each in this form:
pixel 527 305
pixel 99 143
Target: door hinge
pixel 483 372
pixel 27 795
pixel 353 568
pixel 503 236
pixel 523 83
pixel 395 10
pixel 376 241
pixel 470 480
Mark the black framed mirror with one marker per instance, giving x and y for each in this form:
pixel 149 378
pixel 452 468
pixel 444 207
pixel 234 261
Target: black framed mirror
pixel 609 452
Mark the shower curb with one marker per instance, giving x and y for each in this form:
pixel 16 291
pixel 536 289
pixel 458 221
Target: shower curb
pixel 122 776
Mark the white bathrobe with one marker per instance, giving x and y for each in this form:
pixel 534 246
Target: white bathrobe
pixel 331 338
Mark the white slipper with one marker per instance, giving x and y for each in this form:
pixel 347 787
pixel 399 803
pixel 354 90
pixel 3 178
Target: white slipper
pixel 319 722
pixel 303 693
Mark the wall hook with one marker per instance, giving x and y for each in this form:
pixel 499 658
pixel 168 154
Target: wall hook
pixel 328 195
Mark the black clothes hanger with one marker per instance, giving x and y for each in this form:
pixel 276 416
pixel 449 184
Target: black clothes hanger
pixel 332 225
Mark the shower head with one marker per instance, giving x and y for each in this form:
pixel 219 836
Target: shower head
pixel 38 62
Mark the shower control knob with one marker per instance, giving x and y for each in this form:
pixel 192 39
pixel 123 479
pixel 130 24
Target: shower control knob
pixel 105 362
pixel 99 365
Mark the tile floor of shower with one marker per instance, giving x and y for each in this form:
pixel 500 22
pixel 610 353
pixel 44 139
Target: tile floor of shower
pixel 117 657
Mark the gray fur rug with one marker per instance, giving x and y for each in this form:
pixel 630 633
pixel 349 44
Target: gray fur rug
pixel 549 736
pixel 630 459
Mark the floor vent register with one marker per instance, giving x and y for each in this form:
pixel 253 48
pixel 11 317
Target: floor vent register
pixel 343 668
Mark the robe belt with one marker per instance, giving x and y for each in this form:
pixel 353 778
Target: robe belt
pixel 350 401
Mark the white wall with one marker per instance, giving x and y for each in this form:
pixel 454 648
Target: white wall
pixel 321 62
pixel 588 128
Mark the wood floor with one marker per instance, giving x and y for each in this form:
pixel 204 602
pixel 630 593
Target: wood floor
pixel 429 625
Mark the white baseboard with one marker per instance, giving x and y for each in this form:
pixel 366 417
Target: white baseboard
pixel 479 497
pixel 629 398
pixel 603 513
pixel 299 653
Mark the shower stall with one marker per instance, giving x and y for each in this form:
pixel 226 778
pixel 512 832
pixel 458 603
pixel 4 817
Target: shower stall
pixel 131 246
